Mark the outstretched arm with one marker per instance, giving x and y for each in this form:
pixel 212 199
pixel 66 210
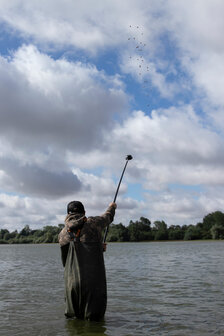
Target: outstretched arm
pixel 108 215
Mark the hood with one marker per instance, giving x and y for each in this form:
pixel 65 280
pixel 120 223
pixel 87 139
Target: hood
pixel 75 222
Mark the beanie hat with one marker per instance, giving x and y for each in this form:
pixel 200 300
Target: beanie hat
pixel 75 207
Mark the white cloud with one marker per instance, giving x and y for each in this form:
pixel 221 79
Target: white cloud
pixel 96 194
pixel 194 27
pixel 50 107
pixel 182 205
pixel 145 71
pixel 58 116
pixel 17 211
pixel 51 111
pixel 208 71
pixel 172 146
pixel 197 27
pixel 55 101
pixel 86 25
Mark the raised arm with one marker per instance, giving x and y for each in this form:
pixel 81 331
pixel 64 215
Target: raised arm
pixel 108 215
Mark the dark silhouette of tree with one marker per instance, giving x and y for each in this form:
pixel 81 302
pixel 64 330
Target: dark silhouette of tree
pixel 214 218
pixel 118 233
pixel 140 230
pixel 160 229
pixel 212 227
pixel 192 233
pixel 175 232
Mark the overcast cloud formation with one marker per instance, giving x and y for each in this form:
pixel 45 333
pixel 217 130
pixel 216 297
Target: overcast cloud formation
pixel 74 101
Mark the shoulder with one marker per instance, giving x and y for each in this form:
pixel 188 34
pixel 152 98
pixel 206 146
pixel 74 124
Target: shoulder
pixel 94 219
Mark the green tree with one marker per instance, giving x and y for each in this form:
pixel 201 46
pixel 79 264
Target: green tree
pixel 192 233
pixel 25 231
pixel 217 231
pixel 14 234
pixel 3 232
pixel 2 241
pixel 140 230
pixel 160 230
pixel 48 237
pixel 118 232
pixel 6 236
pixel 211 219
pixel 55 239
pixel 37 233
pixel 175 232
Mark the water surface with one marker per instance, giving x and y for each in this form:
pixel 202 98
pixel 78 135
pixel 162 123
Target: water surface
pixel 161 288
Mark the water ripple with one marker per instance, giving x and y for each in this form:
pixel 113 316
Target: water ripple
pixel 174 289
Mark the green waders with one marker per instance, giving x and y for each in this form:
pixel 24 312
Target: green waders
pixel 85 280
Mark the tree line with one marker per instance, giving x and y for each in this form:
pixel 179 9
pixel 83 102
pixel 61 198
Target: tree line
pixel 212 227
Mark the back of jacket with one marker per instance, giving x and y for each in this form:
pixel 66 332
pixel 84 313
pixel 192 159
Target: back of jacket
pixel 90 228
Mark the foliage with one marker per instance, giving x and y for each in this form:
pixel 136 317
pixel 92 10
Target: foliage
pixel 192 233
pixel 176 232
pixel 118 233
pixel 212 227
pixel 48 234
pixel 140 230
pixel 217 231
pixel 160 230
pixel 213 224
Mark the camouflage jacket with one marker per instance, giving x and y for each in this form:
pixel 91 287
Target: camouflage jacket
pixel 90 228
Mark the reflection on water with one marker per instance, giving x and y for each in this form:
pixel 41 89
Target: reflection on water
pixel 79 327
pixel 173 288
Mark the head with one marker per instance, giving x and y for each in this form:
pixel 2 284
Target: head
pixel 75 207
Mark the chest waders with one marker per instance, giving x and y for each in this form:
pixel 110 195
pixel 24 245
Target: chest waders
pixel 85 281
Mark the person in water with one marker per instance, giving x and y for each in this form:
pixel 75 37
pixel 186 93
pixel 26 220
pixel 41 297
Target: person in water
pixel 82 256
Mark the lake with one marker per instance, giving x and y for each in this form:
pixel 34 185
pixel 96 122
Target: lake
pixel 159 288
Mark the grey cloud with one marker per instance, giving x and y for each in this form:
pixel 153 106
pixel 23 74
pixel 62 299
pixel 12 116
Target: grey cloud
pixel 36 181
pixel 69 111
pixel 2 205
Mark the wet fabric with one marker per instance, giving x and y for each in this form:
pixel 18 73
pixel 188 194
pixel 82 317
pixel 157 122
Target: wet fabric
pixel 85 281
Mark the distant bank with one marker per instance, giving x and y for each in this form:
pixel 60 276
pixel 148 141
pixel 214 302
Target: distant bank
pixel 212 227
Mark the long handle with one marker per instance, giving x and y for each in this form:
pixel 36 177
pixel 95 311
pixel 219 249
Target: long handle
pixel 115 197
pixel 128 157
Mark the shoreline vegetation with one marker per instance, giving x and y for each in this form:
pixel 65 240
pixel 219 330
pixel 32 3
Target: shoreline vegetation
pixel 212 227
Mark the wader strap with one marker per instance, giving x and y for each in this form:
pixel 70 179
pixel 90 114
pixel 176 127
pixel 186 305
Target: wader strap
pixel 74 236
pixel 77 236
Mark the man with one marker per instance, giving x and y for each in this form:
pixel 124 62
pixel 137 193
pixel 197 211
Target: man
pixel 82 257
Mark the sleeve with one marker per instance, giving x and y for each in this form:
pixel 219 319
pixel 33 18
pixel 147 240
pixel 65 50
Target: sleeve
pixel 105 219
pixel 109 215
pixel 63 237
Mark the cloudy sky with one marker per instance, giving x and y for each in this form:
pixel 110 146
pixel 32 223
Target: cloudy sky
pixel 84 83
